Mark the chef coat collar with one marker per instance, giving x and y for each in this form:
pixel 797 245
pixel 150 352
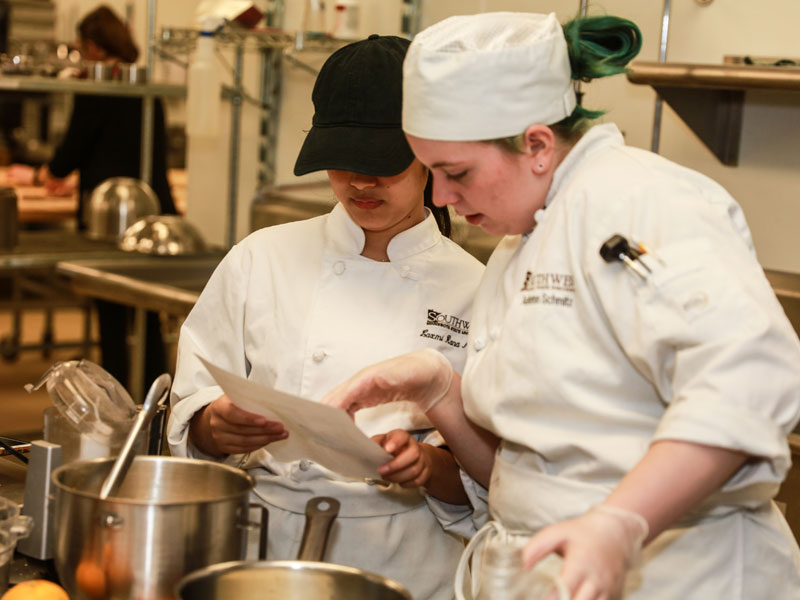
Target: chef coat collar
pixel 346 237
pixel 597 137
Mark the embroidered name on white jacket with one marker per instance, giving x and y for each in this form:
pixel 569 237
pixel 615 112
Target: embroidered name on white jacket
pixel 556 289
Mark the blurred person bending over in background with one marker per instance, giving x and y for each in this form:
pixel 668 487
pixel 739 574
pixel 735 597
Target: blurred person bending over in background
pixel 103 140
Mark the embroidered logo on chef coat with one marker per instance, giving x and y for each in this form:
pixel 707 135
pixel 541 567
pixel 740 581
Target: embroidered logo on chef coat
pixel 557 289
pixel 448 322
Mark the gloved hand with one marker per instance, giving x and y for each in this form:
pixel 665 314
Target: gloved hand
pixel 598 549
pixel 422 376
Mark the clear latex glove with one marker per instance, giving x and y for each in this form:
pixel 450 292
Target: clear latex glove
pixel 598 549
pixel 422 377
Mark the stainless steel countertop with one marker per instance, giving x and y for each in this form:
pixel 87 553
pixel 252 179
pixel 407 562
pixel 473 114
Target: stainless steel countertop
pixel 43 249
pixel 159 283
pixel 34 83
pixel 170 284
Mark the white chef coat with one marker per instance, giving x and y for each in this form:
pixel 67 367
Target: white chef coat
pixel 296 307
pixel 579 365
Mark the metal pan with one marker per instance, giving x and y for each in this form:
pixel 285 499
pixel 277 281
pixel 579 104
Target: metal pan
pixel 304 579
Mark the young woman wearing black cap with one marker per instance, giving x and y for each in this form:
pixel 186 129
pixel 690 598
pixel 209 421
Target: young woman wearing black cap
pixel 302 306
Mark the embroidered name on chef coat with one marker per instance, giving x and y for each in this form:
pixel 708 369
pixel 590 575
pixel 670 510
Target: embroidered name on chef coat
pixel 449 322
pixel 555 289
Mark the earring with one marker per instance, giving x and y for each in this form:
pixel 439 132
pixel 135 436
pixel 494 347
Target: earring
pixel 540 166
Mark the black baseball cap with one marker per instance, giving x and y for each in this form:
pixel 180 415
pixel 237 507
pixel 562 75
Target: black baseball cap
pixel 357 111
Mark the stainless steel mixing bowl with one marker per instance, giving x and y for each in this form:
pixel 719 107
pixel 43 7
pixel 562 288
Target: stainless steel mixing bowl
pixel 116 204
pixel 164 235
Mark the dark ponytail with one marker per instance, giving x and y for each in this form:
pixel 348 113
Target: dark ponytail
pixel 598 47
pixel 440 213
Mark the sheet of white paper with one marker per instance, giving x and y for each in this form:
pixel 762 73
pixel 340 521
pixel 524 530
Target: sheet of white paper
pixel 317 432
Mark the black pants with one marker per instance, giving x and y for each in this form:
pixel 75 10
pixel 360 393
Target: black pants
pixel 114 352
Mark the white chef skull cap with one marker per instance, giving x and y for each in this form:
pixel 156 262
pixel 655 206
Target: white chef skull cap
pixel 486 76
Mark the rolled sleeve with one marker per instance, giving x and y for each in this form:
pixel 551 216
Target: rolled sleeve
pixel 712 422
pixel 478 499
pixel 455 518
pixel 213 331
pixel 181 415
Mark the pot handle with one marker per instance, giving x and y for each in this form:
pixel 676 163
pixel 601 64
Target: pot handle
pixel 320 514
pixel 262 525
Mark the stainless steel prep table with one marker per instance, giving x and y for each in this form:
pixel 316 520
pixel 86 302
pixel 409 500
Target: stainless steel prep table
pixel 30 267
pixel 167 284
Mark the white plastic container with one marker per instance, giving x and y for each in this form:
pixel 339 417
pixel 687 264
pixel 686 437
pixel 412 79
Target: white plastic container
pixel 204 101
pixel 347 20
pixel 314 16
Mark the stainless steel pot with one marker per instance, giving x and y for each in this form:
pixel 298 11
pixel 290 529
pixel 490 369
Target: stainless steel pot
pixel 302 579
pixel 171 516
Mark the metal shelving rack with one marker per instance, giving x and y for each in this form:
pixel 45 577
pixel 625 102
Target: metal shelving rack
pixel 146 91
pixel 274 45
pixel 34 83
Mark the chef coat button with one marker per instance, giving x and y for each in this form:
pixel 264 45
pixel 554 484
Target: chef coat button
pixel 338 267
pixel 304 465
pixel 318 355
pixel 494 333
pixel 479 344
pixel 540 215
pixel 405 271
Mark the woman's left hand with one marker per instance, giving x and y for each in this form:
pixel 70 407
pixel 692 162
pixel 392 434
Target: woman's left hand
pixel 598 549
pixel 411 465
pixel 56 186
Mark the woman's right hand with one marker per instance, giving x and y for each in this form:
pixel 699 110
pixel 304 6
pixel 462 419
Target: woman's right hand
pixel 223 428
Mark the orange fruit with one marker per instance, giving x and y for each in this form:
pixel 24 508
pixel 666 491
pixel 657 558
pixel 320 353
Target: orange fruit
pixel 36 589
pixel 91 579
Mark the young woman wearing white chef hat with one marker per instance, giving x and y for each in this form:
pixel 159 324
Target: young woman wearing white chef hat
pixel 302 306
pixel 625 346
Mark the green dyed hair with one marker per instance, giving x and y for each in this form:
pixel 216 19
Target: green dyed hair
pixel 598 47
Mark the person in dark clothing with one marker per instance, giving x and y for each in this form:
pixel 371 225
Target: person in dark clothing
pixel 103 140
pixel 104 134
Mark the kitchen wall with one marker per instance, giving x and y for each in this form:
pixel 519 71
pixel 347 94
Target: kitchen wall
pixel 766 182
